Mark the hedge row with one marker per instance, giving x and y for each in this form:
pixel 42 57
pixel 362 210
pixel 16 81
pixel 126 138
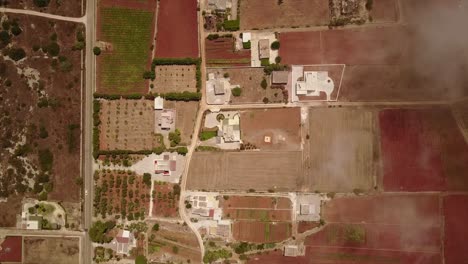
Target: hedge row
pixel 158 150
pixel 183 96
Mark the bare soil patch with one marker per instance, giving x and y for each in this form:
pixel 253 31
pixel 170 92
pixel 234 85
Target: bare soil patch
pixel 249 80
pixel 40 105
pixel 70 8
pixel 185 120
pixel 342 152
pixel 385 11
pixel 165 201
pixel 51 250
pixel 221 52
pixel 262 170
pixel 175 78
pixel 256 202
pixel 264 209
pixel 301 47
pixel 280 126
pixel 128 125
pixel 10 208
pixel 261 232
pixel 260 14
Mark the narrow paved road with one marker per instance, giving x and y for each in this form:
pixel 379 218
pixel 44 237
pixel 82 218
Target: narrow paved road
pixel 82 19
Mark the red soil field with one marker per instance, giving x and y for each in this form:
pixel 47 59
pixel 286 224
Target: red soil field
pixel 141 4
pixel 456 230
pixel 261 232
pixel 301 47
pixel 11 249
pixel 324 255
pixel 423 150
pixel 304 226
pixel 385 11
pixel 221 52
pixel 165 202
pixel 177 29
pixel 257 214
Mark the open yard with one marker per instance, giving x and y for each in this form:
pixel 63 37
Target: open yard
pixel 262 170
pixel 175 78
pixel 177 29
pixel 40 91
pixel 128 125
pixel 249 80
pixel 220 52
pixel 52 250
pixel 422 150
pixel 121 193
pixel 261 232
pixel 342 152
pixel 162 243
pixel 185 120
pixel 261 14
pixel 165 200
pixel 272 129
pixel 129 32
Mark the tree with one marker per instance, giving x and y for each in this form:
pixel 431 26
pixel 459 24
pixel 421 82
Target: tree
pixel 147 179
pixel 155 227
pixel 141 260
pixel 175 249
pixel 226 75
pixel 41 3
pixel 182 151
pixel 16 30
pixel 175 138
pixel 149 75
pixel 53 49
pixel 97 51
pixel 16 54
pixel 236 91
pixel 46 159
pixel 98 231
pixel 278 59
pixel 275 45
pixel 264 83
pixel 265 100
pixel 5 37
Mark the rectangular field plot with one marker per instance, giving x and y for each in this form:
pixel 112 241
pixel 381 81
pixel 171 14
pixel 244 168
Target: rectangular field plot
pixel 260 14
pixel 220 52
pixel 53 250
pixel 262 170
pixel 175 78
pixel 261 232
pixel 342 152
pixel 129 33
pixel 177 29
pixel 456 231
pixel 280 126
pixel 265 209
pixel 127 125
pixel 422 150
pixel 185 120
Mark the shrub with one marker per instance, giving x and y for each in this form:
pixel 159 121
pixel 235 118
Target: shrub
pixel 16 54
pixel 46 159
pixel 264 83
pixel 43 132
pixel 188 206
pixel 155 227
pixel 175 249
pixel 97 51
pixel 205 135
pixel 5 37
pixel 278 59
pixel 236 91
pixel 247 45
pixel 212 36
pixel 147 179
pixel 369 5
pixel 6 25
pixel 149 75
pixel 265 62
pixel 141 260
pixel 182 150
pixel 184 96
pixel 53 49
pixel 226 75
pixel 175 138
pixel 41 3
pixel 16 30
pixel 265 100
pixel 79 45
pixel 275 45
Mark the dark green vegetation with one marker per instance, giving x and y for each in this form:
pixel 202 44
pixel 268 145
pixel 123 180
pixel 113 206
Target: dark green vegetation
pixel 205 135
pixel 98 232
pixel 236 91
pixel 213 255
pixel 231 25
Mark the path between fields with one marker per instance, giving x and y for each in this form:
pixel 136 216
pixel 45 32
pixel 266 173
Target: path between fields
pixel 45 15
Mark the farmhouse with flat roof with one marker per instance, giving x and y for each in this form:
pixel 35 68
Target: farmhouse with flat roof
pixel 165 164
pixel 230 128
pixel 264 49
pixel 279 77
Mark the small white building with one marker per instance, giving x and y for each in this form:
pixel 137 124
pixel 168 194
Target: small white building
pixel 167 119
pixel 230 129
pixel 312 83
pixel 158 103
pixel 246 37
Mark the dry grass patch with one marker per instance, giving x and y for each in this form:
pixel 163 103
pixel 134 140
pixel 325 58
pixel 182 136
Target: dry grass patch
pixel 175 78
pixel 53 250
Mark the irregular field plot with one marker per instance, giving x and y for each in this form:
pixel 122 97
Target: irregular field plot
pixel 385 11
pixel 70 8
pixel 121 193
pixel 129 31
pixel 177 35
pixel 165 201
pixel 261 232
pixel 257 202
pixel 282 126
pixel 342 151
pixel 128 125
pixel 259 14
pixel 301 47
pixel 51 250
pixel 175 78
pixel 10 208
pixel 245 170
pixel 11 249
pixel 456 231
pixel 422 150
pixel 257 208
pixel 402 228
pixel 220 52
pixel 249 79
pixel 185 120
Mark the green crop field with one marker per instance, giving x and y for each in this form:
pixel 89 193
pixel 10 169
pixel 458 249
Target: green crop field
pixel 129 31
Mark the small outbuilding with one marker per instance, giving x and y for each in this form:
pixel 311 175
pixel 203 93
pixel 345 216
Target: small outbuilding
pixel 264 49
pixel 279 77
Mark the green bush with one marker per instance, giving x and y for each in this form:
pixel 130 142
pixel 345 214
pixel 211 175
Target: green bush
pixel 5 37
pixel 275 45
pixel 205 135
pixel 46 159
pixel 264 83
pixel 16 54
pixel 149 75
pixel 155 227
pixel 53 49
pixel 278 59
pixel 212 36
pixel 147 179
pixel 273 67
pixel 97 51
pixel 175 138
pixel 231 25
pixel 182 150
pixel 247 45
pixel 184 96
pixel 41 3
pixel 80 45
pixel 98 231
pixel 43 132
pixel 212 256
pixel 6 25
pixel 265 62
pixel 236 91
pixel 369 5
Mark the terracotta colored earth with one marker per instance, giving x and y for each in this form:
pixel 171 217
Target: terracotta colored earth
pixel 221 52
pixel 11 249
pixel 456 230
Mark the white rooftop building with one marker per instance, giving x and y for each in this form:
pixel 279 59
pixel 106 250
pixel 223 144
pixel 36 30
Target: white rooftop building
pixel 246 36
pixel 312 83
pixel 158 103
pixel 230 129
